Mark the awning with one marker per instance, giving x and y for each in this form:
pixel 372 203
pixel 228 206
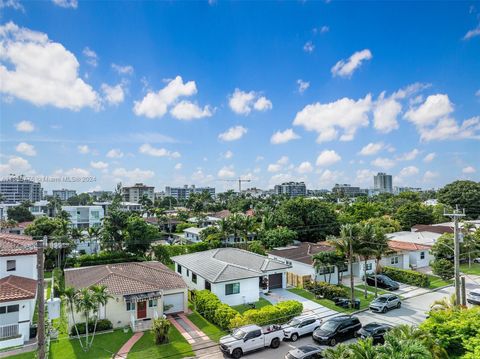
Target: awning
pixel 141 297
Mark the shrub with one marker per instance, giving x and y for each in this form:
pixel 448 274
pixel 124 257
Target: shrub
pixel 102 258
pixel 58 282
pixel 443 268
pixel 407 276
pixel 102 325
pixel 182 226
pixel 163 253
pixel 271 314
pixel 224 315
pixel 160 329
pixel 325 290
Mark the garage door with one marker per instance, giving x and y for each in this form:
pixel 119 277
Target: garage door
pixel 175 302
pixel 275 281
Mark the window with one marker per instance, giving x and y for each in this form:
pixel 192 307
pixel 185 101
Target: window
pixel 130 306
pixel 13 308
pixel 188 273
pixel 194 278
pixel 3 310
pixel 394 260
pixel 11 265
pixel 232 288
pixel 253 335
pixel 369 266
pixel 422 255
pixel 326 270
pixel 152 303
pixel 342 267
pixel 179 268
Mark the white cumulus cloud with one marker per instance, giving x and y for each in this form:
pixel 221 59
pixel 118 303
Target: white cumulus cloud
pixel 73 4
pixel 242 102
pixel 148 149
pixel 133 176
pixel 408 171
pixel 26 149
pixel 15 165
pixel 372 148
pixel 279 165
pixel 345 68
pixel 304 167
pixel 25 126
pixel 327 119
pixel 41 71
pixel 327 158
pixel 99 165
pixel 429 157
pixel 383 162
pixel 84 149
pixel 468 170
pixel 186 110
pixel 226 172
pixel 233 133
pixel 114 153
pixel 409 156
pixel 92 57
pixel 302 85
pixel 113 94
pixel 263 104
pixel 283 136
pixel 472 33
pixel 123 69
pixel 308 47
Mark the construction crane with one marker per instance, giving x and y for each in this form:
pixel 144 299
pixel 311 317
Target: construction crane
pixel 239 180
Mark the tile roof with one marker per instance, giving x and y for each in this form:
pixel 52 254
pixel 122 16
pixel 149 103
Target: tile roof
pixel 225 264
pixel 17 288
pixel 16 244
pixel 222 214
pixel 434 229
pixel 303 252
pixel 126 278
pixel 407 246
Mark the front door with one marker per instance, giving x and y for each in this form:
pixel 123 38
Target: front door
pixel 141 310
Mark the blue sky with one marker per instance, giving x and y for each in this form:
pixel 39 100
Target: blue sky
pixel 173 93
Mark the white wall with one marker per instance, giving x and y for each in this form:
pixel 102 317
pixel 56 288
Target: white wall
pixel 200 285
pixel 403 261
pixel 415 260
pixel 23 317
pixel 26 266
pixel 249 291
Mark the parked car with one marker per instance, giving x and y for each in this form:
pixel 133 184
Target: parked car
pixel 473 297
pixel 385 302
pixel 300 325
pixel 476 260
pixel 337 329
pixel 305 352
pixel 376 331
pixel 345 302
pixel 383 282
pixel 250 338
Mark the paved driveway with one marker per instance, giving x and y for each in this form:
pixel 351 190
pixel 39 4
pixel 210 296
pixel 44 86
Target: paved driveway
pixel 309 306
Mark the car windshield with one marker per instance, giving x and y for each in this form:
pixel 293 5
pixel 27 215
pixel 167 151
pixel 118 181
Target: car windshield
pixel 381 299
pixel 238 334
pixel 293 323
pixel 476 294
pixel 370 327
pixel 329 326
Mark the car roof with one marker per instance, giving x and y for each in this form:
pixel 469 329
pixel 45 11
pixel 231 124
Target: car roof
pixel 304 349
pixel 340 318
pixel 387 295
pixel 375 325
pixel 476 290
pixel 307 316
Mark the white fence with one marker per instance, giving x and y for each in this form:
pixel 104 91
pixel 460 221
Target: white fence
pixel 8 331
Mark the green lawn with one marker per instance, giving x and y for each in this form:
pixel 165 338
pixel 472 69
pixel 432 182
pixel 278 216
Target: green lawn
pixel 29 355
pixel 437 282
pixel 329 304
pixel 260 304
pixel 104 346
pixel 474 269
pixel 146 348
pixel 371 289
pixel 213 332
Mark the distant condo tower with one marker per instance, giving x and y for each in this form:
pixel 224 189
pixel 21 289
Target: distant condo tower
pixel 383 183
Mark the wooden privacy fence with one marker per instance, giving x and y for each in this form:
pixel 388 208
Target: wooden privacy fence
pixel 295 280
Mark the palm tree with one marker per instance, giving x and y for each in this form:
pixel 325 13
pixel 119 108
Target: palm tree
pixel 340 351
pixel 323 261
pixel 85 303
pixel 70 294
pixel 379 249
pixel 100 297
pixel 446 303
pixel 364 349
pixel 366 250
pixel 398 348
pixel 410 332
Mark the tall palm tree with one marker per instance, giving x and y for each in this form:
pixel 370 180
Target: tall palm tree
pixel 379 248
pixel 69 295
pixel 323 261
pixel 85 304
pixel 100 298
pixel 364 349
pixel 366 250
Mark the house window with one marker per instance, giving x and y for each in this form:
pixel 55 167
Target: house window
pixel 179 268
pixel 188 273
pixel 422 255
pixel 369 266
pixel 11 265
pixel 130 306
pixel 326 270
pixel 194 278
pixel 394 260
pixel 152 303
pixel 232 288
pixel 342 267
pixel 13 308
pixel 3 310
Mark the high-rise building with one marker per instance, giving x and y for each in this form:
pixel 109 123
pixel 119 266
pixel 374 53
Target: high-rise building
pixel 291 189
pixel 64 194
pixel 181 193
pixel 382 183
pixel 135 193
pixel 346 190
pixel 17 189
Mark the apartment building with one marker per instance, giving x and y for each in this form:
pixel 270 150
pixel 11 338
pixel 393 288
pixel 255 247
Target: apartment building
pixel 182 193
pixel 291 189
pixel 136 192
pixel 64 194
pixel 17 189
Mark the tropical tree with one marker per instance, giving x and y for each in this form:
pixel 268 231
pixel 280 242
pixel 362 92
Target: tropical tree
pixel 323 262
pixel 465 194
pixel 160 329
pixel 446 303
pixel 85 304
pixel 20 213
pixel 69 294
pixel 340 351
pixel 365 249
pixel 100 297
pixel 364 349
pixel 410 332
pixel 397 348
pixel 380 248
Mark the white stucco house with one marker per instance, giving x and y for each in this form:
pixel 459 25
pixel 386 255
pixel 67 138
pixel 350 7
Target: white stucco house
pixel 236 276
pixel 141 291
pixel 84 217
pixel 418 254
pixel 18 288
pixel 192 234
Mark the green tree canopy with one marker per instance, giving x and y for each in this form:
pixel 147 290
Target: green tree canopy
pixel 139 235
pixel 20 213
pixel 465 194
pixel 278 237
pixel 413 213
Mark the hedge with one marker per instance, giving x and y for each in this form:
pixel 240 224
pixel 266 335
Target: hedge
pixel 210 307
pixel 326 290
pixel 407 276
pixel 102 325
pixel 163 253
pixel 102 258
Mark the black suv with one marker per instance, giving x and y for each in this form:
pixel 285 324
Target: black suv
pixel 376 331
pixel 383 282
pixel 337 329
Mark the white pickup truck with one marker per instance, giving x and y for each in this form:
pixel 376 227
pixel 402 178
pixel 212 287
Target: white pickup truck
pixel 251 337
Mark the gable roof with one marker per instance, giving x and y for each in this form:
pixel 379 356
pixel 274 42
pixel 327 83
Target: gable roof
pixel 17 288
pixel 407 246
pixel 434 229
pixel 424 238
pixel 304 252
pixel 225 264
pixel 125 278
pixel 16 245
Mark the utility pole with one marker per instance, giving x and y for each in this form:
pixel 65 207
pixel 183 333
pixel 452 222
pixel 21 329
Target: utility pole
pixel 41 300
pixel 350 263
pixel 456 253
pixel 464 295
